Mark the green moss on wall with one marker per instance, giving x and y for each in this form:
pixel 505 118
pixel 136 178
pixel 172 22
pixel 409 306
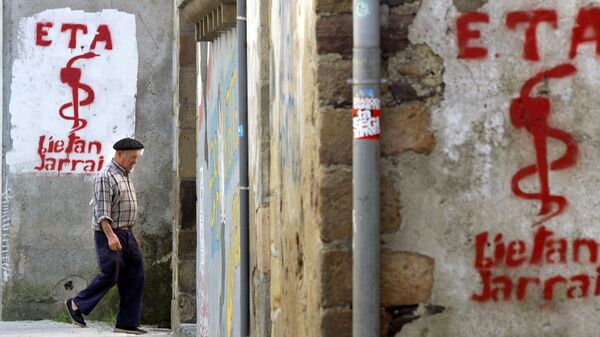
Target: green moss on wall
pixel 157 250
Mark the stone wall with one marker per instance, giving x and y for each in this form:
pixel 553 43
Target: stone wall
pixel 183 264
pixel 503 224
pixel 414 77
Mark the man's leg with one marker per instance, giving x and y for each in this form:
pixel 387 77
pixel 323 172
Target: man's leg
pixel 131 285
pixel 109 262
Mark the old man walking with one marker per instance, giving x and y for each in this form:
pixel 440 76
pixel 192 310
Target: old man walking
pixel 117 248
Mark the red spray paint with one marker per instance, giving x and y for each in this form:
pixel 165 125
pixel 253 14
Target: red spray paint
pixel 533 19
pixel 532 114
pixel 72 77
pixel 464 34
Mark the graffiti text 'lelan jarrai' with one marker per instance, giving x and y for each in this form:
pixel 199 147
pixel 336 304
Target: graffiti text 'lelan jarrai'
pixel 498 263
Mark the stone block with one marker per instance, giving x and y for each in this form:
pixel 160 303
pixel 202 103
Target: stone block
pixel 334 34
pixel 187 153
pixel 336 137
pixel 261 305
pixel 335 206
pixel 406 278
pixel 403 91
pixel 187 275
pixel 390 207
pixel 334 6
pixel 336 275
pixel 187 49
pixel 411 69
pixel 263 240
pixel 187 87
pixel 188 115
pixel 469 5
pixel 337 322
pixel 394 35
pixel 186 305
pixel 333 74
pixel 406 128
pixel 186 249
pixel 187 197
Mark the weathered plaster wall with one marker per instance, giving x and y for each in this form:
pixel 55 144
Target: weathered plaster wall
pixel 294 244
pixel 46 216
pixel 505 199
pixel 218 190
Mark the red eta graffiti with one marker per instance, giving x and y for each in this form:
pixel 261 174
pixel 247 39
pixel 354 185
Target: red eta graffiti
pixel 586 30
pixel 102 34
pixel 54 154
pixel 546 249
pixel 532 114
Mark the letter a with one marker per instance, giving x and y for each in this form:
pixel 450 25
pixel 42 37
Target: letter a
pixel 103 35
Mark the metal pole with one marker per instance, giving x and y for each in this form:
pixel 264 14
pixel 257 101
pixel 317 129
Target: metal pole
pixel 244 184
pixel 365 173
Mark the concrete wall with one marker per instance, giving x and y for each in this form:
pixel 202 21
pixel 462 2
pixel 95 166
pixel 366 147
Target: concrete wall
pixel 46 212
pixel 218 207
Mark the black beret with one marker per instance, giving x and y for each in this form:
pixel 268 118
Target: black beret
pixel 128 144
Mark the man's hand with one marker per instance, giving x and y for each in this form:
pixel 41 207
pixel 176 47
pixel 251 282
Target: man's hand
pixel 113 243
pixel 138 241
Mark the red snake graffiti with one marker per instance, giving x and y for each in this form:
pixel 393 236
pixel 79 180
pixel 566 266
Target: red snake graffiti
pixel 72 77
pixel 532 114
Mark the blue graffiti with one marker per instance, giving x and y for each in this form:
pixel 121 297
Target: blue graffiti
pixel 289 94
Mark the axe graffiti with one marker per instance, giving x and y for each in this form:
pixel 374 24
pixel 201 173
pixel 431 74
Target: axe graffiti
pixel 531 113
pixel 72 77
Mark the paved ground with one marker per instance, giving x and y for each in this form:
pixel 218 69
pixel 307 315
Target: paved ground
pixel 54 329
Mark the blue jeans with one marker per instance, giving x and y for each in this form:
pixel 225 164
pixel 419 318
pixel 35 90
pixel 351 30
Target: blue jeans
pixel 125 269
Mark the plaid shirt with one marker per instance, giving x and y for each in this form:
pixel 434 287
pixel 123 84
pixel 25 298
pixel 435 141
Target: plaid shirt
pixel 114 198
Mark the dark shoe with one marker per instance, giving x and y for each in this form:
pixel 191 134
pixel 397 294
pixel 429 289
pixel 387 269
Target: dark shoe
pixel 133 331
pixel 76 316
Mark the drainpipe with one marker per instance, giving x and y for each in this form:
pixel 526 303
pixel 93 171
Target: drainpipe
pixel 366 83
pixel 244 184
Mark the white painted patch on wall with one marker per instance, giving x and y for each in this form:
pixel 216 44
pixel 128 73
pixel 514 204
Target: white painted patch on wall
pixel 73 90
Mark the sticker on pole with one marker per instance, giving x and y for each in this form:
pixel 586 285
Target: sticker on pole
pixel 365 124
